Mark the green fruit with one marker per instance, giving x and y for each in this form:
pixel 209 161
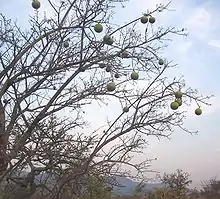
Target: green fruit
pixel 134 75
pixel 102 65
pixel 152 20
pixel 98 28
pixel 36 4
pixel 66 44
pixel 5 101
pixel 108 69
pixel 144 19
pixel 124 54
pixel 125 109
pixel 111 86
pixel 198 111
pixel 179 101
pixel 108 40
pixel 161 62
pixel 174 105
pixel 116 75
pixel 178 94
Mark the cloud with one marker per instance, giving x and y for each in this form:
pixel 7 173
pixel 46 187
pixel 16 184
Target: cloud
pixel 199 22
pixel 214 43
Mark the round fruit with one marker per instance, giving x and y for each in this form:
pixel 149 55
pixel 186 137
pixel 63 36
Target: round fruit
pixel 161 62
pixel 5 101
pixel 174 105
pixel 144 19
pixel 98 28
pixel 179 101
pixel 152 19
pixel 178 94
pixel 124 54
pixel 108 40
pixel 36 4
pixel 66 44
pixel 198 111
pixel 102 65
pixel 134 75
pixel 111 86
pixel 108 69
pixel 125 109
pixel 116 75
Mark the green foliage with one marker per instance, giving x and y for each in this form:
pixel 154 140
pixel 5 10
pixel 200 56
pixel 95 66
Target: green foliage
pixel 139 188
pixel 95 189
pixel 177 181
pixel 211 189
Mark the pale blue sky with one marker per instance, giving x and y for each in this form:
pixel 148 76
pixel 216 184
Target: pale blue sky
pixel 198 58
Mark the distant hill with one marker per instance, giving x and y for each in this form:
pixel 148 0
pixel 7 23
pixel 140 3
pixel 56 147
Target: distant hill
pixel 129 186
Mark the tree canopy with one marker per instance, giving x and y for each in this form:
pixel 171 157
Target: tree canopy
pixel 68 61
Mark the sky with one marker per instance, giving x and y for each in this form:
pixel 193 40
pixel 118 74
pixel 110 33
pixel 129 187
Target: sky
pixel 198 57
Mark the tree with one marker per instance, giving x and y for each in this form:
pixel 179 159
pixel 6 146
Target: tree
pixel 139 188
pixel 211 189
pixel 194 193
pixel 96 189
pixel 73 59
pixel 177 181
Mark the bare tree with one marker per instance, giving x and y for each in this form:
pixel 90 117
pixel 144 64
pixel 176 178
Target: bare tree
pixel 72 59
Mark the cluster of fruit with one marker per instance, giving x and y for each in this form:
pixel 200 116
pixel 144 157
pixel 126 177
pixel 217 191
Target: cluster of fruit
pixel 107 39
pixel 147 18
pixel 178 102
pixel 134 76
